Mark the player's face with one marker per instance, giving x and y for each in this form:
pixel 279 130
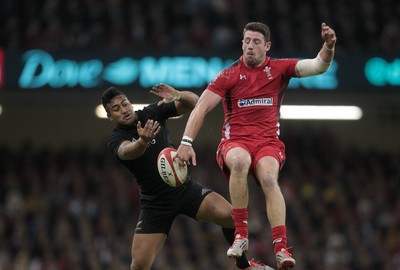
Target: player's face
pixel 121 111
pixel 254 48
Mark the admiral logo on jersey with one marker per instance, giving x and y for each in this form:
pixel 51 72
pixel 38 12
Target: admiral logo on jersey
pixel 255 102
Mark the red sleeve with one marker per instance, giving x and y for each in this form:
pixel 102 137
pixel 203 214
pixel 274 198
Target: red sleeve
pixel 288 66
pixel 221 82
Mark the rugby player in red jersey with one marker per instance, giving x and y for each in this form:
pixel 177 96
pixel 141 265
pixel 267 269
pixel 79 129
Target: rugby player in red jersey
pixel 252 91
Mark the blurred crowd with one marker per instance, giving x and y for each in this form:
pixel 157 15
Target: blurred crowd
pixel 179 25
pixel 76 208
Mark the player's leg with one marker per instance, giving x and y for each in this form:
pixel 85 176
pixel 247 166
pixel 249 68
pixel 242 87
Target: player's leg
pixel 152 228
pixel 238 161
pixel 267 171
pixel 145 248
pixel 216 209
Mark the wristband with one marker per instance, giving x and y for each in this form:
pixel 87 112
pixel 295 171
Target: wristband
pixel 187 138
pixel 186 142
pixel 142 142
pixel 331 50
pixel 176 97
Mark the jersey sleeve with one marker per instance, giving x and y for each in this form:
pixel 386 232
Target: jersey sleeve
pixel 115 141
pixel 221 82
pixel 162 112
pixel 288 66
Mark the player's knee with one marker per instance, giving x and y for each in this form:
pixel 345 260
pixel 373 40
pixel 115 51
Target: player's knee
pixel 269 182
pixel 217 210
pixel 137 264
pixel 224 218
pixel 223 212
pixel 240 164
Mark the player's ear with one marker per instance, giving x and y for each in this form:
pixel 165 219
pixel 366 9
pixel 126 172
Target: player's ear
pixel 109 117
pixel 268 46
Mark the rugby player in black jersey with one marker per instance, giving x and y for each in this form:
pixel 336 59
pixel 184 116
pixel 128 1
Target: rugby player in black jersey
pixel 136 141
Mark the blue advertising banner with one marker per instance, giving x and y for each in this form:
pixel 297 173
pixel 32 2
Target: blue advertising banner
pixel 39 69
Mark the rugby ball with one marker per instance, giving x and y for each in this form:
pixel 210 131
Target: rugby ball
pixel 169 169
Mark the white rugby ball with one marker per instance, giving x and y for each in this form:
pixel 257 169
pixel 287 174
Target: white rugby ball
pixel 169 169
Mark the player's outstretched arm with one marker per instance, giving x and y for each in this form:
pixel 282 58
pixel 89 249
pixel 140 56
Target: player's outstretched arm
pixel 130 150
pixel 185 101
pixel 208 100
pixel 321 63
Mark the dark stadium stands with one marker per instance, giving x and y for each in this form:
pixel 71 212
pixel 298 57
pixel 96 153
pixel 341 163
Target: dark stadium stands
pixel 372 25
pixel 75 208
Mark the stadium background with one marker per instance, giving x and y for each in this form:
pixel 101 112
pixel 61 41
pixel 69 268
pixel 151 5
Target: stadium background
pixel 66 204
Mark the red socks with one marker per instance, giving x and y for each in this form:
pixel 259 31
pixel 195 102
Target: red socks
pixel 279 238
pixel 240 216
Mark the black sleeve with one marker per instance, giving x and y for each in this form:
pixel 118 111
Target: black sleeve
pixel 162 112
pixel 116 140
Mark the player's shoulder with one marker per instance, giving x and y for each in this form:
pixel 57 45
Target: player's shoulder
pixel 285 65
pixel 282 61
pixel 233 68
pixel 158 112
pixel 147 110
pixel 123 132
pixel 235 64
pixel 116 132
pixel 115 139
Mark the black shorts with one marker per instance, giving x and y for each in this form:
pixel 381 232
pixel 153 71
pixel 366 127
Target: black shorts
pixel 157 216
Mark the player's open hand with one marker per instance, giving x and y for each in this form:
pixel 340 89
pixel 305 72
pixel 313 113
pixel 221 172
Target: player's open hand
pixel 166 92
pixel 149 131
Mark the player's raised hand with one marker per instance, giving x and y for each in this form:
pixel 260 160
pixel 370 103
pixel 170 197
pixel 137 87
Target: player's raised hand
pixel 328 35
pixel 166 92
pixel 149 131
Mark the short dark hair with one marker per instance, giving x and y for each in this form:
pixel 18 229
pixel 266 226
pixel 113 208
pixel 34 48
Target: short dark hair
pixel 258 27
pixel 108 95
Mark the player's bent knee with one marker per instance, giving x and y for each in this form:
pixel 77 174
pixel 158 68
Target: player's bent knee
pixel 215 209
pixel 139 265
pixel 238 162
pixel 269 183
pixel 223 213
pixel 239 167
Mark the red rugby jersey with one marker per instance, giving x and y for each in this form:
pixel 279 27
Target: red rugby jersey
pixel 252 97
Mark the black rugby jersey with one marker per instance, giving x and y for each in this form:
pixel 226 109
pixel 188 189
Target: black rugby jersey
pixel 144 168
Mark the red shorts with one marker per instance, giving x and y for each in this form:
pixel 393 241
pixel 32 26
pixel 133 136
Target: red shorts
pixel 257 148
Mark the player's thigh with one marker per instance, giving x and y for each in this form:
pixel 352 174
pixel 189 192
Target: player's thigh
pixel 267 170
pixel 145 248
pixel 216 209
